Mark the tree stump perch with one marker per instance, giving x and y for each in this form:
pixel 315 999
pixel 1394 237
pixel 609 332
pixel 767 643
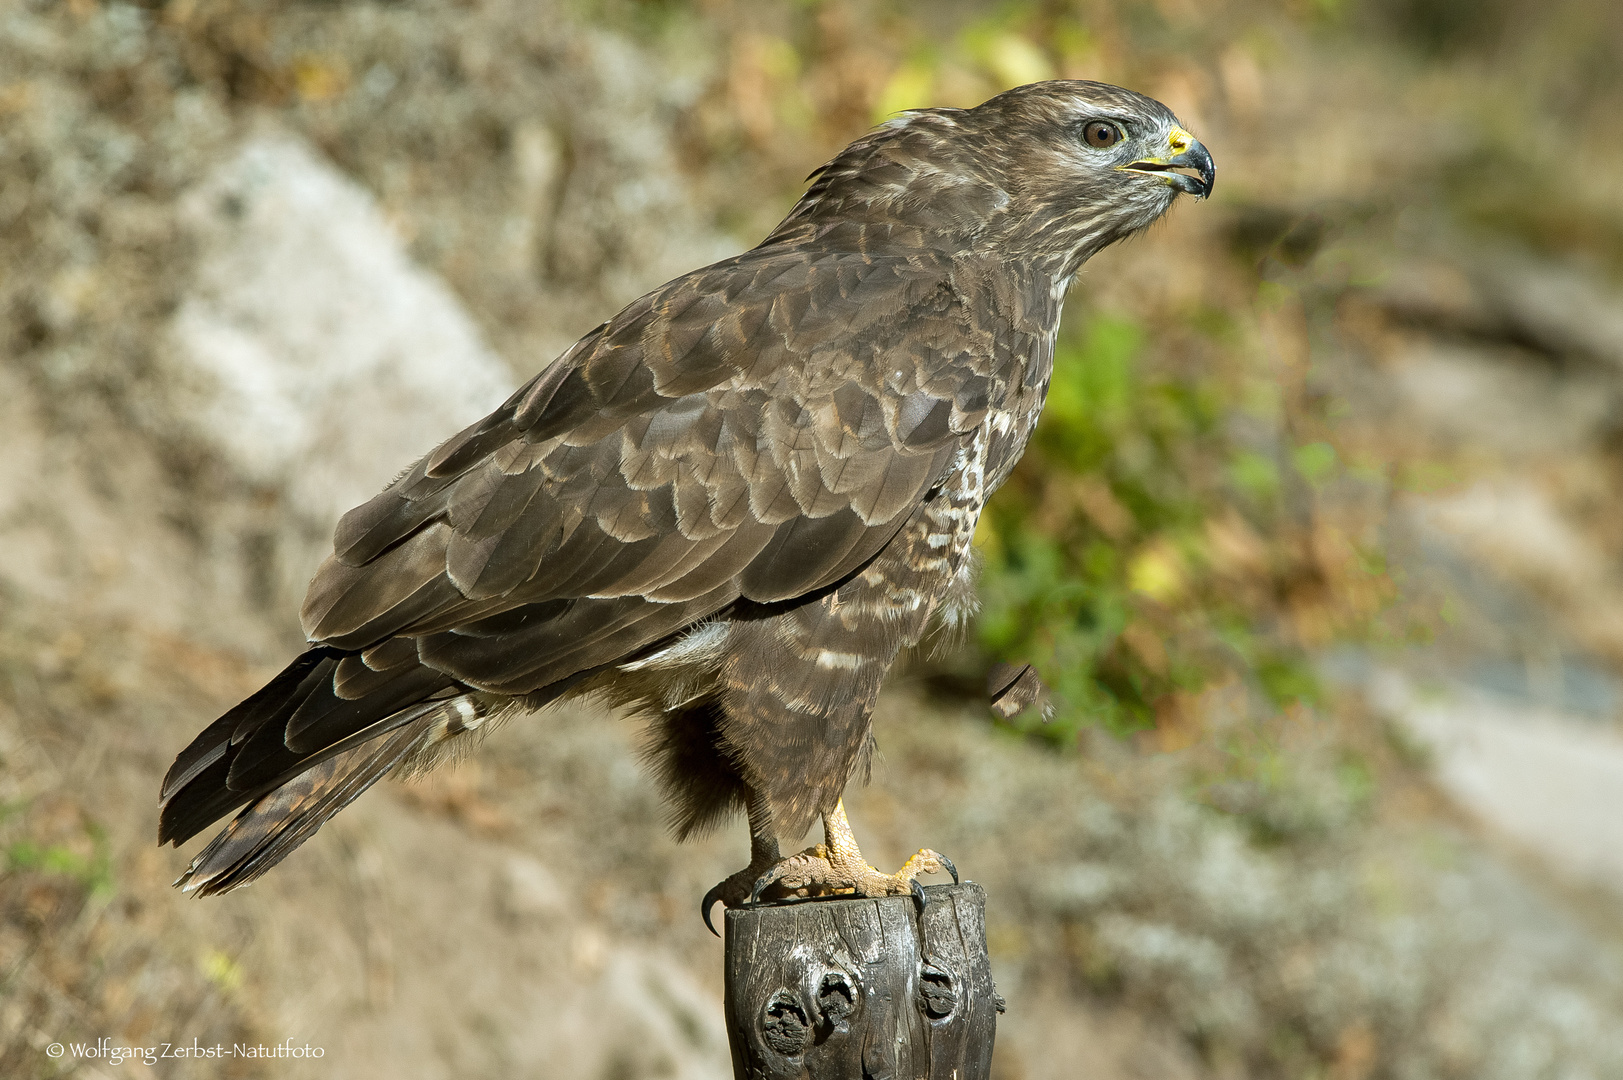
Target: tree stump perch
pixel 850 989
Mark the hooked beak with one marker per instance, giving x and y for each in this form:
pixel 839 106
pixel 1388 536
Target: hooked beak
pixel 1187 153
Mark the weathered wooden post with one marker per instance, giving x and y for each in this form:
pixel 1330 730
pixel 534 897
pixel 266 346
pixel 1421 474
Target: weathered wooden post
pixel 849 989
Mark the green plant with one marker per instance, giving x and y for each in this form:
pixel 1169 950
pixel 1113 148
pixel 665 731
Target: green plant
pixel 1139 552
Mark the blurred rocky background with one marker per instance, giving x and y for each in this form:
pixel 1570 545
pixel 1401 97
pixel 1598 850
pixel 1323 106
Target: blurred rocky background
pixel 1320 544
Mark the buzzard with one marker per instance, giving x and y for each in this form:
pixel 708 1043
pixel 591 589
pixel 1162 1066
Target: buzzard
pixel 729 507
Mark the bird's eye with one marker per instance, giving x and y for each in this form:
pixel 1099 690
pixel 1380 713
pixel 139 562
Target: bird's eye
pixel 1101 134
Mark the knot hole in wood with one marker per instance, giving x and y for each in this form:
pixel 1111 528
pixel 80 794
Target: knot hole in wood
pixel 836 989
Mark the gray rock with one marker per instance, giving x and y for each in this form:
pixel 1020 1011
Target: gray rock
pixel 312 355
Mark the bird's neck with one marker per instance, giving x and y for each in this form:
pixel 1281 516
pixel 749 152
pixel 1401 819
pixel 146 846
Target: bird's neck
pixel 1028 294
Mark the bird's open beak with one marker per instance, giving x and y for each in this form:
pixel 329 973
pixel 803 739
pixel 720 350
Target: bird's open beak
pixel 1185 152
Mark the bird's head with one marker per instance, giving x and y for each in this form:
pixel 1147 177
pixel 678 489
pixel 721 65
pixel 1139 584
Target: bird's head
pixel 1050 172
pixel 1084 164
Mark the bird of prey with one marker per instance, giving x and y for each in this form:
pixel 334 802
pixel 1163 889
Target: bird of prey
pixel 728 507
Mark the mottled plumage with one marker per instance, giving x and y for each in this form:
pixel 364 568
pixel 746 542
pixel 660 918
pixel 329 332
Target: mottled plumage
pixel 728 507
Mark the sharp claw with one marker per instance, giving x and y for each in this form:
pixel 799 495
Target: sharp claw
pixel 764 882
pixel 951 869
pixel 709 902
pixel 918 894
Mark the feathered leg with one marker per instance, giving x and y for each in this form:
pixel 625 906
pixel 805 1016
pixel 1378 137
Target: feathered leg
pixel 798 695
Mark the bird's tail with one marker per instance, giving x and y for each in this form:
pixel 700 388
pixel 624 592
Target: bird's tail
pixel 303 748
pixel 269 828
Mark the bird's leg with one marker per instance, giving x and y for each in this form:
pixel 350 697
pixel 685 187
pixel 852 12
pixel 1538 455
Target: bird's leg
pixel 764 855
pixel 836 868
pixel 833 868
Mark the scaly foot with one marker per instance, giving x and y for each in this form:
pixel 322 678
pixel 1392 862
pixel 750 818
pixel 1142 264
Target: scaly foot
pixel 830 869
pixel 822 871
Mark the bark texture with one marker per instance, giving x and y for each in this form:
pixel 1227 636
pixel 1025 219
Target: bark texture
pixel 841 989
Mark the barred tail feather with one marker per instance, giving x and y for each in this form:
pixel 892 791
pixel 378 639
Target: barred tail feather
pixel 271 827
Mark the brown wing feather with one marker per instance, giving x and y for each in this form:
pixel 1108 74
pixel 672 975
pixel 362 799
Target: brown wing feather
pixel 709 442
